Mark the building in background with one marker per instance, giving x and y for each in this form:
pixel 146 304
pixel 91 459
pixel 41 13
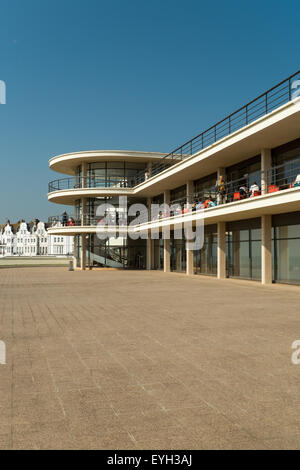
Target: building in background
pixel 32 239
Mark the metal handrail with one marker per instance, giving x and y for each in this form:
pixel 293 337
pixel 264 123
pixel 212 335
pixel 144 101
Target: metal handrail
pixel 258 107
pixel 89 182
pixel 283 176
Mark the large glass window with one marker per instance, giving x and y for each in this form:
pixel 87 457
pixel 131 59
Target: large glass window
pixel 178 196
pixel 115 173
pixel 177 254
pixel 205 188
pixel 205 260
pixel 285 170
pixel 286 253
pixel 243 174
pixel 132 169
pixel 96 172
pixel 286 152
pixel 159 254
pixel 243 249
pixel 109 174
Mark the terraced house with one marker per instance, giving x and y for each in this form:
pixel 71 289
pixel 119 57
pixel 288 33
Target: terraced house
pixel 32 239
pixel 242 176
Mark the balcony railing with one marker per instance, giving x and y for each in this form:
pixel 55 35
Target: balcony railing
pixel 114 218
pixel 89 182
pixel 277 178
pixel 63 220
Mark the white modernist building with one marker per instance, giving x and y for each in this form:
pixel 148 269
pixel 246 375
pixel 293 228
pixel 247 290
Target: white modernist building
pixel 33 240
pixel 241 177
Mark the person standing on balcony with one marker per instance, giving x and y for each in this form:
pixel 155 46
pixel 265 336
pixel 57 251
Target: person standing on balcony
pixel 64 219
pixel 254 189
pixel 220 188
pixel 147 174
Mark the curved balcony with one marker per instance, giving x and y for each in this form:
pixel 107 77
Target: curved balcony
pixel 67 190
pixel 81 182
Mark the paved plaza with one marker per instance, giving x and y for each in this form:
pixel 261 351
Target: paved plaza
pixel 146 360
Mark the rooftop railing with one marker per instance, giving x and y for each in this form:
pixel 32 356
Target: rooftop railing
pixel 264 104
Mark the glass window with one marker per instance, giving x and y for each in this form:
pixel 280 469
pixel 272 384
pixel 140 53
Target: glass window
pixel 244 253
pixel 205 188
pixel 159 254
pixel 107 174
pixel 246 173
pixel 286 253
pixel 177 254
pixel 286 152
pixel 205 260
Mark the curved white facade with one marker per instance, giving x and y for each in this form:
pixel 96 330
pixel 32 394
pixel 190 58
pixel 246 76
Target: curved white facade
pixel 267 150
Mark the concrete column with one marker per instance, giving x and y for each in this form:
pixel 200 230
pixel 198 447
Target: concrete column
pixel 178 258
pixel 266 163
pixel 150 242
pixel 149 252
pixel 167 264
pixel 221 250
pixel 83 211
pixel 75 252
pixel 189 262
pixel 190 194
pixel 167 267
pixel 158 260
pixel 266 249
pixel 167 197
pixel 149 202
pixel 152 254
pixel 84 174
pixel 83 252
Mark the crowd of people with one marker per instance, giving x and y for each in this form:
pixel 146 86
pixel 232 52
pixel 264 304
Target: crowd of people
pixel 222 193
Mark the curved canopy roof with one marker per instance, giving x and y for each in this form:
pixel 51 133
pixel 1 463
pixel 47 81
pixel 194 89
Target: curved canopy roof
pixel 68 162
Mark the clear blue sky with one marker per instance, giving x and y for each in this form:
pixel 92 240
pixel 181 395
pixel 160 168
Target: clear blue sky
pixel 126 74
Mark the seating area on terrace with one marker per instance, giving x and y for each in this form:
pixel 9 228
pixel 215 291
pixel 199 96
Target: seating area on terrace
pixel 277 178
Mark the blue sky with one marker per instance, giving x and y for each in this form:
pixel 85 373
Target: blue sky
pixel 126 74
